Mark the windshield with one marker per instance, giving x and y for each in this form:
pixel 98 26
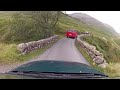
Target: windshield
pixel 37 44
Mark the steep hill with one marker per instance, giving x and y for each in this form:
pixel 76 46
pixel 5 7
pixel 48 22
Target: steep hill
pixel 94 23
pixel 80 21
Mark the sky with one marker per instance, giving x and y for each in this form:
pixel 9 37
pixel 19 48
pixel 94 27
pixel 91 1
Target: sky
pixel 109 17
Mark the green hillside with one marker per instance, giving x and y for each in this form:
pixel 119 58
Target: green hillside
pixel 102 39
pixel 67 22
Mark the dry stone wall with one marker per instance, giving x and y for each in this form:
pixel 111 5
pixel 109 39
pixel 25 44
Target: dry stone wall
pixel 97 57
pixel 33 45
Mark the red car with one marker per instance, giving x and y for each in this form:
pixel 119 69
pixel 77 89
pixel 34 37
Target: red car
pixel 71 33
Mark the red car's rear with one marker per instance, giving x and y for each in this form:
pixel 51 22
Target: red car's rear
pixel 71 33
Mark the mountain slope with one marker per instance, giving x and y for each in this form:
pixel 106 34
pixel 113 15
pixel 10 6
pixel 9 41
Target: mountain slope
pixel 94 23
pixel 79 21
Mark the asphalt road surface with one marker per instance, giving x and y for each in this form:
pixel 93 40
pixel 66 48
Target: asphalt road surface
pixel 63 50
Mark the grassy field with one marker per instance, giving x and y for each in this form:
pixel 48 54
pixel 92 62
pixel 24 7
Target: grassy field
pixel 88 58
pixel 110 52
pixel 10 55
pixel 112 70
pixel 111 55
pixel 117 41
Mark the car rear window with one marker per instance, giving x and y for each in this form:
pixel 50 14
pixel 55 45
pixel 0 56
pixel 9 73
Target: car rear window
pixel 71 31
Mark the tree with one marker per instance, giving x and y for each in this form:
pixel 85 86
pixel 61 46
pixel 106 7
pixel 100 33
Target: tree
pixel 33 25
pixel 45 21
pixel 20 27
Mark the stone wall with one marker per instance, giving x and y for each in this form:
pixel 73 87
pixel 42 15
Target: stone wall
pixel 97 57
pixel 33 45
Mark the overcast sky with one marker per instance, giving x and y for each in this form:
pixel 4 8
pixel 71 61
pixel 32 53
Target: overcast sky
pixel 110 17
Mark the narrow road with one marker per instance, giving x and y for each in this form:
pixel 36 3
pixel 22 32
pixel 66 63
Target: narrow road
pixel 64 50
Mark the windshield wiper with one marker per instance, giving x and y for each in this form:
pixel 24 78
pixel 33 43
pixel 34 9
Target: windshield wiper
pixel 57 75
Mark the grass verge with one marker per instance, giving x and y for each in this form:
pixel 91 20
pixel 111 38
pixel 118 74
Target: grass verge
pixel 10 55
pixel 112 70
pixel 88 58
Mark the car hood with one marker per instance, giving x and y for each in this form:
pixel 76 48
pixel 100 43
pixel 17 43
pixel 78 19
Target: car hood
pixel 52 66
pixel 57 66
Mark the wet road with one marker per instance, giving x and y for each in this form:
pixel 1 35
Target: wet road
pixel 64 50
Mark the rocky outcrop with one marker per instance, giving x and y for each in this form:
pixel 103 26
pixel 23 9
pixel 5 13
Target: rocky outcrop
pixel 33 45
pixel 97 57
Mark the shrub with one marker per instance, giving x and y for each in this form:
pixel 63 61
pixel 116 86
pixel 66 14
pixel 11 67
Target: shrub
pixel 32 25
